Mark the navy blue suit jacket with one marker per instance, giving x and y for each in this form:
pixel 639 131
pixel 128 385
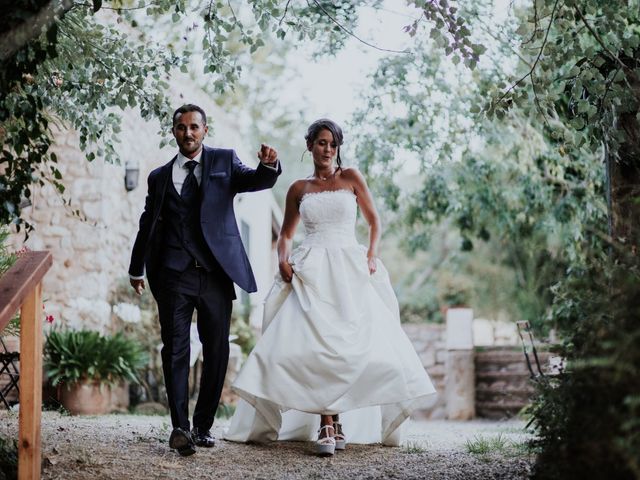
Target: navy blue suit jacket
pixel 223 176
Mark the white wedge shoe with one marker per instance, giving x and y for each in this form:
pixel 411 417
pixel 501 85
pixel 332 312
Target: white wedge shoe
pixel 341 441
pixel 326 446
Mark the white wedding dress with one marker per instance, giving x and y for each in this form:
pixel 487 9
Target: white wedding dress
pixel 332 342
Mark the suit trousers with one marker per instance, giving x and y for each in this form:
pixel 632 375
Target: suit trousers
pixel 211 295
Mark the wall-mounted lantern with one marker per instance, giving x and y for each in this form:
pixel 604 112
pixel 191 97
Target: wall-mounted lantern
pixel 131 174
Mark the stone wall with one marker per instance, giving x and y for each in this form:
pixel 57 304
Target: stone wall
pixel 90 251
pixel 500 385
pixel 429 341
pixel 503 382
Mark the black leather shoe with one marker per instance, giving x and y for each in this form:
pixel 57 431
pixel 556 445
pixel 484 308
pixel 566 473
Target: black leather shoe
pixel 202 438
pixel 181 441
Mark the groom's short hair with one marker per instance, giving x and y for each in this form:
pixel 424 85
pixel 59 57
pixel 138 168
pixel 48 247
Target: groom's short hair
pixel 190 107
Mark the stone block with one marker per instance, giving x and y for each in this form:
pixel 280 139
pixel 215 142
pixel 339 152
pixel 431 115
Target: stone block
pixel 58 231
pixel 506 333
pixel 85 190
pixel 460 385
pixel 65 243
pixel 94 311
pixel 81 289
pixel 84 242
pixel 459 329
pixel 419 345
pixel 41 216
pixel 93 210
pixel 434 334
pixel 441 356
pixel 428 358
pixel 483 332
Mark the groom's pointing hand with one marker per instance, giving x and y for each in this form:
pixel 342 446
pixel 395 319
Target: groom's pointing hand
pixel 267 155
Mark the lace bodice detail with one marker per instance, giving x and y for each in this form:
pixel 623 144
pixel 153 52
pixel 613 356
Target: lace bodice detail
pixel 329 218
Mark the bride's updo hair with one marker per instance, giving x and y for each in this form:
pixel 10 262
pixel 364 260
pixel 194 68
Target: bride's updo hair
pixel 325 124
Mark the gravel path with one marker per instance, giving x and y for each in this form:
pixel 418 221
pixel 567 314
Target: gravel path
pixel 135 446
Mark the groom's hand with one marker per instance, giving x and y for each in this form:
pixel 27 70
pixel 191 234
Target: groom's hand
pixel 138 285
pixel 268 155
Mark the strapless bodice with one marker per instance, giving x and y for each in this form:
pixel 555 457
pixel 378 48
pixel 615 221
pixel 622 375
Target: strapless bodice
pixel 329 218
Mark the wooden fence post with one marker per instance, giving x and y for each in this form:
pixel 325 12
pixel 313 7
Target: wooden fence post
pixel 21 288
pixel 29 447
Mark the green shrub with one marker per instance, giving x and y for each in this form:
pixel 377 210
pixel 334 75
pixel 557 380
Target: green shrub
pixel 72 356
pixel 7 259
pixel 588 418
pixel 246 337
pixel 8 459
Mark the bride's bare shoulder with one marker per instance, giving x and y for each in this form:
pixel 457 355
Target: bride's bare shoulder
pixel 353 176
pixel 351 173
pixel 298 188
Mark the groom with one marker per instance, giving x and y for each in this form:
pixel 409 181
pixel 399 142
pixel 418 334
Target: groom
pixel 188 243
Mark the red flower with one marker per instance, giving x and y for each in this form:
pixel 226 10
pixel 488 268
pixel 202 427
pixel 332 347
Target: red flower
pixel 50 319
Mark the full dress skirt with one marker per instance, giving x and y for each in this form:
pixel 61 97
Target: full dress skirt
pixel 331 342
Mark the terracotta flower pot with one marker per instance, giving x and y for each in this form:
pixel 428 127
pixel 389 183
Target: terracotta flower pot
pixel 86 398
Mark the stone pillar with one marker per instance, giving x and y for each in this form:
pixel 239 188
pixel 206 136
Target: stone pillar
pixel 459 366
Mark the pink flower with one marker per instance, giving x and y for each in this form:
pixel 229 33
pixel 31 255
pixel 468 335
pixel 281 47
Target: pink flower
pixel 50 319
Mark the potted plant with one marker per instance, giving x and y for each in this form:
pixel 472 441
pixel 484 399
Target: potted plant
pixel 85 364
pixel 454 291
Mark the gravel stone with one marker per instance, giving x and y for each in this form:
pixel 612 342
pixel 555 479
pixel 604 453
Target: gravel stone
pixel 136 446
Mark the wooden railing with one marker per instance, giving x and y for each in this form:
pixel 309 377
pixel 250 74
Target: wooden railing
pixel 21 288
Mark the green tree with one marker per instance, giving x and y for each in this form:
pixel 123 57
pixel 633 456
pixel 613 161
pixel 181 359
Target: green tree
pixel 549 168
pixel 79 64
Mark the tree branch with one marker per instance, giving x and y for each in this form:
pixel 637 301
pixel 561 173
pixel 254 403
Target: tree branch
pixel 21 34
pixel 349 32
pixel 536 99
pixel 599 39
pixel 120 9
pixel 533 67
pixel 286 8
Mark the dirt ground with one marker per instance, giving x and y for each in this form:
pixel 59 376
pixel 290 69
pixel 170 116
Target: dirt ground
pixel 135 446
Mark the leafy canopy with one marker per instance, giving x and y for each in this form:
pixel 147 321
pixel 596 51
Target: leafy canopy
pixel 96 59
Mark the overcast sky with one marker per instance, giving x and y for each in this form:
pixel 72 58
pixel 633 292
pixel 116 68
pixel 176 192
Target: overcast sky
pixel 332 84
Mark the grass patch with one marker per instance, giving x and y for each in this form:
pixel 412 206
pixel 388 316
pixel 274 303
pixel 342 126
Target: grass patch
pixel 413 448
pixel 499 444
pixel 486 445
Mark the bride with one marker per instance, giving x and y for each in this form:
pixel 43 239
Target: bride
pixel 332 351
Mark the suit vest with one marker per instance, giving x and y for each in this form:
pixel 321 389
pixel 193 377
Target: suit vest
pixel 183 241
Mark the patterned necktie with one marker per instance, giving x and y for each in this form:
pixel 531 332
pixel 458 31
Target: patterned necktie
pixel 189 191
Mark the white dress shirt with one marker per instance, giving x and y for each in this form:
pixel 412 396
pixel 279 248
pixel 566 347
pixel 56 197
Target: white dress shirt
pixel 180 171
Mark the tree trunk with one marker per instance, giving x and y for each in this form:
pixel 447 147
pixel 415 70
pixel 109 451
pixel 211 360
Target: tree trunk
pixel 624 179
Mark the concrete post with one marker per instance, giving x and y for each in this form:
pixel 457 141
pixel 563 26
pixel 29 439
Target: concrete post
pixel 460 391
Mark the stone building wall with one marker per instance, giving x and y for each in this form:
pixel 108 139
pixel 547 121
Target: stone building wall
pixel 89 252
